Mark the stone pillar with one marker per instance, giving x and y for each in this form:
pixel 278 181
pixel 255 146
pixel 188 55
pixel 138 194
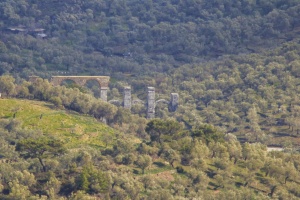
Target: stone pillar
pixel 127 98
pixel 103 93
pixel 173 105
pixel 151 103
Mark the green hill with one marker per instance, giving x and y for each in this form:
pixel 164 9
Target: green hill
pixel 235 65
pixel 72 160
pixel 70 127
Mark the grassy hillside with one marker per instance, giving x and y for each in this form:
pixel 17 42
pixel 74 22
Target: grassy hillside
pixel 203 163
pixel 72 128
pixel 235 65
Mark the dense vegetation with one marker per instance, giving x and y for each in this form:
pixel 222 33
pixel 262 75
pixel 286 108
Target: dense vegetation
pixel 137 37
pixel 76 158
pixel 235 65
pixel 169 162
pixel 255 95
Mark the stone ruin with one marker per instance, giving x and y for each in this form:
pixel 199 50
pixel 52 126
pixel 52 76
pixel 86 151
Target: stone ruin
pixel 151 103
pixel 127 100
pixel 81 80
pixel 173 104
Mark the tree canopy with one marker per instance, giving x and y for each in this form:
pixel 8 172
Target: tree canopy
pixel 40 148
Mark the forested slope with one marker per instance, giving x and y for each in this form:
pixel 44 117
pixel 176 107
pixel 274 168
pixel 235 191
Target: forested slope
pixel 235 65
pixel 167 162
pixel 255 94
pixel 107 37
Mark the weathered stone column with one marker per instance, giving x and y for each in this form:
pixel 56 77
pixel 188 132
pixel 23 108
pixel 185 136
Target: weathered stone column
pixel 151 103
pixel 103 93
pixel 173 105
pixel 127 98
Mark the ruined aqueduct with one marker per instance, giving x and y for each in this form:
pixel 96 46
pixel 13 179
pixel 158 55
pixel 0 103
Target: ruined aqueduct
pixel 127 101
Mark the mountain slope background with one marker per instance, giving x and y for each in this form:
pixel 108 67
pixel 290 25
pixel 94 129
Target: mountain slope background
pixel 225 59
pixel 235 65
pixel 112 37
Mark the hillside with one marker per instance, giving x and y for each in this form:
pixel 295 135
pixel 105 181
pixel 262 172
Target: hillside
pixel 222 57
pixel 234 64
pixel 133 37
pixel 249 95
pixel 70 127
pixel 203 164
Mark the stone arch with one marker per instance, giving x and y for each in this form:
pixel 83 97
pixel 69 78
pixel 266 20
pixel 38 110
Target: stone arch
pixel 138 101
pixel 57 80
pixel 81 80
pixel 115 102
pixel 94 86
pixel 89 81
pixel 162 101
pixel 68 82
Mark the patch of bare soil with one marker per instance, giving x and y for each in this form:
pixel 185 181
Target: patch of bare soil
pixel 167 175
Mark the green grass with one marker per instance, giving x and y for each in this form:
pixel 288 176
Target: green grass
pixel 70 127
pixel 156 170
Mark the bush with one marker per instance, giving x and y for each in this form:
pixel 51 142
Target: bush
pixel 179 170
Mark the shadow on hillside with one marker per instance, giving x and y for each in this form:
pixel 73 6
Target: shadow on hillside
pixel 159 164
pixel 276 135
pixel 49 105
pixel 6 117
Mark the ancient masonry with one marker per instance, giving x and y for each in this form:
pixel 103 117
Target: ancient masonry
pixel 173 105
pixel 151 103
pixel 81 80
pixel 127 101
pixel 127 98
